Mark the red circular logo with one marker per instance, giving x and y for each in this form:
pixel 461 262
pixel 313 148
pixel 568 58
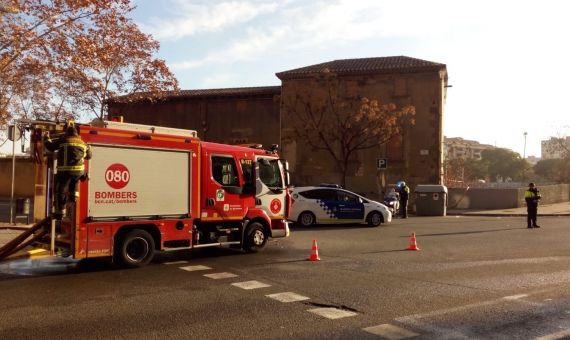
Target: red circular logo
pixel 117 176
pixel 275 206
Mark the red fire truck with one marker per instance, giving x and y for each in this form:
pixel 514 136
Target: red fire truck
pixel 153 189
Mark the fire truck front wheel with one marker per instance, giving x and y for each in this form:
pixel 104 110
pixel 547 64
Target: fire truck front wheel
pixel 136 249
pixel 255 238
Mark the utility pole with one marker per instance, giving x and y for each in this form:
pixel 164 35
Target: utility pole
pixel 524 149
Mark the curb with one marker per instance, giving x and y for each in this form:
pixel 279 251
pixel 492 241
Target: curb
pixel 505 215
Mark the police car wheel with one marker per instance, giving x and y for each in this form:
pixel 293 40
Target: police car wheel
pixel 255 238
pixel 135 249
pixel 374 219
pixel 306 219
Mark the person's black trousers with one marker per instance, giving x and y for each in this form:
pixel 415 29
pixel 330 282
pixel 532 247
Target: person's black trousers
pixel 404 208
pixel 532 211
pixel 65 184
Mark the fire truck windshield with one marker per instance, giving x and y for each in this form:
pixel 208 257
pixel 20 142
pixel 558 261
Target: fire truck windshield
pixel 270 174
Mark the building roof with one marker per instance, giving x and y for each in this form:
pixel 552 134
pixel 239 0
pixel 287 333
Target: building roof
pixel 364 65
pixel 225 92
pixel 229 92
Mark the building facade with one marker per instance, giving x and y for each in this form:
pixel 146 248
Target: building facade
pixel 231 116
pixel 555 148
pixel 459 148
pixel 414 156
pixel 262 115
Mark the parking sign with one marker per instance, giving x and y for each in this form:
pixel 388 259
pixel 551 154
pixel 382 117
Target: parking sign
pixel 381 163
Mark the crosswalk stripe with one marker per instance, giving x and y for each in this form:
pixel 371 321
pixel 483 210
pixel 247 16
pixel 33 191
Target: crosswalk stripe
pixel 247 285
pixel 555 336
pixel 195 268
pixel 332 313
pixel 390 332
pixel 175 262
pixel 218 276
pixel 287 297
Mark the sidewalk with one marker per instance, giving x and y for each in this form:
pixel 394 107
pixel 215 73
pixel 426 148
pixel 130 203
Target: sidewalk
pixel 556 209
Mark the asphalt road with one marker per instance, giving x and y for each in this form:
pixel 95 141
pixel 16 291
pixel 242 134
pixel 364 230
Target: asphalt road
pixel 474 277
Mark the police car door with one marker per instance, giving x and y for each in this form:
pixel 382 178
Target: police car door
pixel 326 210
pixel 350 207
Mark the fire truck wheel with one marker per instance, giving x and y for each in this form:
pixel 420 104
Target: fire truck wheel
pixel 306 219
pixel 374 219
pixel 136 249
pixel 255 238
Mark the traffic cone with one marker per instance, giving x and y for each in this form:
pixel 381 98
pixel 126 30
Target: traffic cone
pixel 314 252
pixel 413 244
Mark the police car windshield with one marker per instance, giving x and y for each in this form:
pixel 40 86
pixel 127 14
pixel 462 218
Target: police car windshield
pixel 270 174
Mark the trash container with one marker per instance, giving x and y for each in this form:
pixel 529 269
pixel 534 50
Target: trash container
pixel 431 200
pixel 22 206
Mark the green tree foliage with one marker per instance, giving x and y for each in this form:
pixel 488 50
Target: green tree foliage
pixel 557 170
pixel 504 163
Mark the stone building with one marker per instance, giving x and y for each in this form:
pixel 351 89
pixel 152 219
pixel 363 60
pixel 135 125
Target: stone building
pixel 459 148
pixel 555 148
pixel 261 115
pixel 416 156
pixel 232 116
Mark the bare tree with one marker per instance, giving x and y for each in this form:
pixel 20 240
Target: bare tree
pixel 342 125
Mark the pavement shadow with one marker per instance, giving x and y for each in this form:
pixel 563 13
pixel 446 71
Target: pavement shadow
pixel 332 227
pixel 385 251
pixel 467 232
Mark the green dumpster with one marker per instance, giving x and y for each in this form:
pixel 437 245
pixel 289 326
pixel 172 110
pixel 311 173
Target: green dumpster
pixel 431 200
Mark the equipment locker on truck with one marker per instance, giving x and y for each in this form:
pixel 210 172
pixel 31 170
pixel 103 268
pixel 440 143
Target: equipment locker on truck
pixel 152 188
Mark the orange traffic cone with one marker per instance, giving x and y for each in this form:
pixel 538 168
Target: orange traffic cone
pixel 314 252
pixel 413 244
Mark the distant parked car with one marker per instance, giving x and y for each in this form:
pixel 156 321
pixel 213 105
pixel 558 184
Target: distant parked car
pixel 328 205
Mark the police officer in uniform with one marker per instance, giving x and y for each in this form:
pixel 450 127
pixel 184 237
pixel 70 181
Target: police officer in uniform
pixel 404 196
pixel 531 196
pixel 71 151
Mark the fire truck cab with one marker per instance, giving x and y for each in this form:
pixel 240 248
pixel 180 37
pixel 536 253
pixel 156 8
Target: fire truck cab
pixel 151 188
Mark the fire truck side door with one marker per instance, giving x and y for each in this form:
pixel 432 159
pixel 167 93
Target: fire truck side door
pixel 224 189
pixel 270 189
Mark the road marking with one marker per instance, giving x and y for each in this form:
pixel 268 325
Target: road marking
pixel 515 297
pixel 287 297
pixel 176 262
pixel 250 285
pixel 554 336
pixel 390 332
pixel 194 268
pixel 332 313
pixel 217 276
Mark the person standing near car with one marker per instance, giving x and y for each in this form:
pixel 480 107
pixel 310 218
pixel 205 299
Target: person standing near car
pixel 531 196
pixel 404 197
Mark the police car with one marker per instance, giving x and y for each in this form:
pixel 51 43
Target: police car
pixel 328 204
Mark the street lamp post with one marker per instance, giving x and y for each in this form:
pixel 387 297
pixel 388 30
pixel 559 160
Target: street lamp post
pixel 524 149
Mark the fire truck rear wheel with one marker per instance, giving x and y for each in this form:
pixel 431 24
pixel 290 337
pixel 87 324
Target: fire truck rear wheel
pixel 255 238
pixel 136 249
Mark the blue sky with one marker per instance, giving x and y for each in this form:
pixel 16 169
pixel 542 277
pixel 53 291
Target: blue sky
pixel 508 61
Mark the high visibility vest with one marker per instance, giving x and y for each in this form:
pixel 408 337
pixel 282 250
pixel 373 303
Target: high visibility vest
pixel 71 153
